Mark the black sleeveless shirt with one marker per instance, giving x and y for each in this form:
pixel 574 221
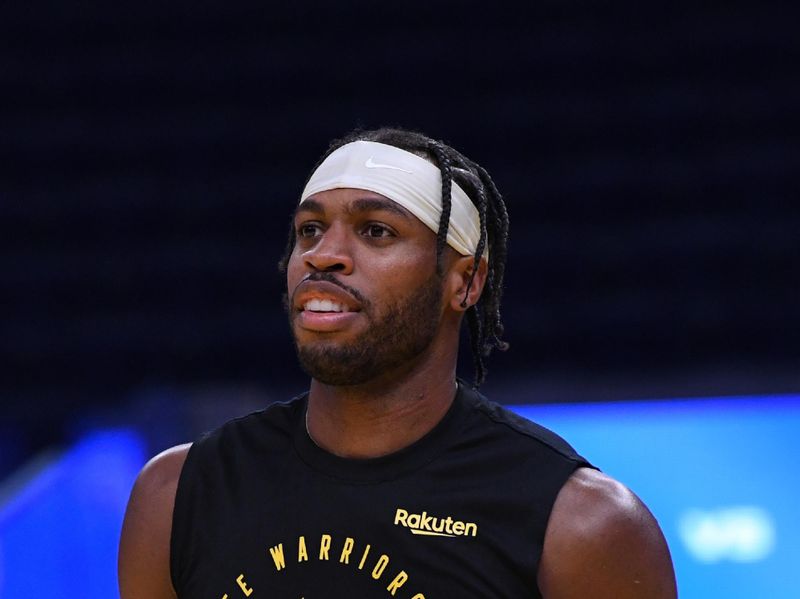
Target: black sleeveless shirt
pixel 262 512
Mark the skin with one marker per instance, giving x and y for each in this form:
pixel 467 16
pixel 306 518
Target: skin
pixel 601 540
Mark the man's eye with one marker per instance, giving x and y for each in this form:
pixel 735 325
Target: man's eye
pixel 308 230
pixel 375 230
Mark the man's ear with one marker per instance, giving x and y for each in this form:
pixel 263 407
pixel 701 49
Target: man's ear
pixel 459 276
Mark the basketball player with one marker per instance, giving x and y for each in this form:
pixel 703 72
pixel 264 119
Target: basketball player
pixel 390 477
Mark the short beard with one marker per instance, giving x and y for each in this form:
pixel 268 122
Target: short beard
pixel 404 331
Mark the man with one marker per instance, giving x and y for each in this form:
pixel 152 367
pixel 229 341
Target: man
pixel 390 477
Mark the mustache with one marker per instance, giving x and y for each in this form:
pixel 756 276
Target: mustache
pixel 328 278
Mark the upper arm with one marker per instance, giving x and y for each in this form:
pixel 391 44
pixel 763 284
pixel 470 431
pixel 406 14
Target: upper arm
pixel 144 548
pixel 603 542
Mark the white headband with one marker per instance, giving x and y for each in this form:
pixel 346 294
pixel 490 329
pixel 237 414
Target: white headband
pixel 405 178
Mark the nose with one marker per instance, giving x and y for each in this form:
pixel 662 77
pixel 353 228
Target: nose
pixel 331 253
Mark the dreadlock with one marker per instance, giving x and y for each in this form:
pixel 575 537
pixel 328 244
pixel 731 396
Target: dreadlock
pixel 483 319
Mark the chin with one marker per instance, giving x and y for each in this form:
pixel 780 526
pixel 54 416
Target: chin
pixel 338 364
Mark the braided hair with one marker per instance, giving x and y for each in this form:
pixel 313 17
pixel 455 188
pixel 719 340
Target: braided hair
pixel 483 319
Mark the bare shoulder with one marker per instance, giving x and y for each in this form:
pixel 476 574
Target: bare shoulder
pixel 161 473
pixel 144 544
pixel 603 542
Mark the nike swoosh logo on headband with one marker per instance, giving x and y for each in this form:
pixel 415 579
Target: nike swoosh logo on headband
pixel 370 164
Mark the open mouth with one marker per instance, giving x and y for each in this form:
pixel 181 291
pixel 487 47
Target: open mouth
pixel 324 305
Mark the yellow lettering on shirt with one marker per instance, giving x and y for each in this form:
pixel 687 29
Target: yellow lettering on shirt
pixel 363 558
pixel 347 550
pixel 380 566
pixel 398 581
pixel 277 556
pixel 243 585
pixel 324 546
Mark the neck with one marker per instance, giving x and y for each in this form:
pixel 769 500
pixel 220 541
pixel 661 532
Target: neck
pixel 380 416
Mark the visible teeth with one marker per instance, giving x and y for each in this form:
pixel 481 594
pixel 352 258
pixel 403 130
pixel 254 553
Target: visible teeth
pixel 325 305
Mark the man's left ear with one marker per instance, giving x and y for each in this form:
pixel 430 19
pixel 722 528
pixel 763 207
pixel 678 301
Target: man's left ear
pixel 460 274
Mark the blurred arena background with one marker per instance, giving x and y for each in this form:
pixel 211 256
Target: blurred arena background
pixel 150 156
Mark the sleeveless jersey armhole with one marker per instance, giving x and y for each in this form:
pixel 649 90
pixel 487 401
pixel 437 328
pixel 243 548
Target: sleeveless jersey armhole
pixel 181 535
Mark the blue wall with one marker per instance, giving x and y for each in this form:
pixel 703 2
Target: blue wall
pixel 718 474
pixel 59 532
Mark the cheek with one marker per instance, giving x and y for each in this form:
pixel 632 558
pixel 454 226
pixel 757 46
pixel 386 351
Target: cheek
pixel 415 256
pixel 408 263
pixel 389 280
pixel 294 271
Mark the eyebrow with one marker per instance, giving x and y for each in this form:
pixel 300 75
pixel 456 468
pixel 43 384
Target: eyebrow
pixel 310 205
pixel 372 204
pixel 359 205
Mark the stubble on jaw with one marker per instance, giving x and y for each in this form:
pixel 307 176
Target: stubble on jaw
pixel 400 333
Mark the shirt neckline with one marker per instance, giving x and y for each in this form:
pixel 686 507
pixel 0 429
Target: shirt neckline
pixel 384 468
